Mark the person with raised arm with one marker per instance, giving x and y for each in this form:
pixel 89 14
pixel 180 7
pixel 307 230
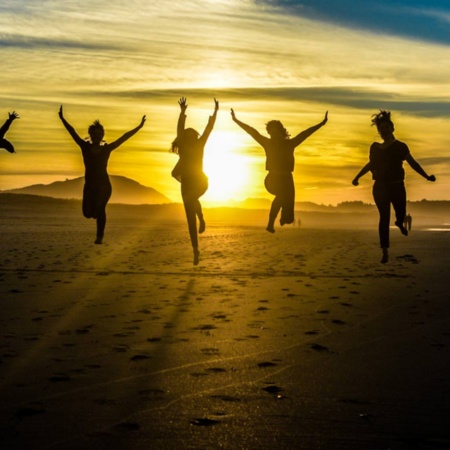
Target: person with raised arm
pixel 4 143
pixel 97 186
pixel 280 164
pixel 189 145
pixel 386 164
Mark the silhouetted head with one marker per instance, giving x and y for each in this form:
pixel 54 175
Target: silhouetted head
pixel 276 129
pixel 96 132
pixel 189 137
pixel 383 122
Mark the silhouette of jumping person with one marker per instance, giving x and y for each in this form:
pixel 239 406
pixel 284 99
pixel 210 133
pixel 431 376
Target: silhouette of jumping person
pixel 4 143
pixel 280 162
pixel 97 186
pixel 189 145
pixel 386 164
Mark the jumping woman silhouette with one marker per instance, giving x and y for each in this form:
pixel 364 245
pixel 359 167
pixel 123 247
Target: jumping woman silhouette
pixel 3 142
pixel 97 186
pixel 386 164
pixel 280 164
pixel 190 146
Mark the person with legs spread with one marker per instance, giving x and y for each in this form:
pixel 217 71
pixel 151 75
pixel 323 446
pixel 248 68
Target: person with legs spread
pixel 386 164
pixel 4 143
pixel 97 187
pixel 189 145
pixel 280 163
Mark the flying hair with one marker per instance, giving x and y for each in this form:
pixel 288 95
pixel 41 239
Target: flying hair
pixel 381 117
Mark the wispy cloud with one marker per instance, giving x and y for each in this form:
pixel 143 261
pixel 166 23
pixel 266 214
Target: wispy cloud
pixel 290 60
pixel 416 19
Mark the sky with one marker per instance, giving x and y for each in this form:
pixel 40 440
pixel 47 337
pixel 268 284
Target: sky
pixel 117 60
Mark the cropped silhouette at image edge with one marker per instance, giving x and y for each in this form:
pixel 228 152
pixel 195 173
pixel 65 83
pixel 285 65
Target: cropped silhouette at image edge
pixel 280 163
pixel 4 143
pixel 189 145
pixel 97 186
pixel 386 164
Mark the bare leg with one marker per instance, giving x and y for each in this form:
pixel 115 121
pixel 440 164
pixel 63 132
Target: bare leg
pixel 385 257
pixel 199 213
pixel 101 223
pixel 274 210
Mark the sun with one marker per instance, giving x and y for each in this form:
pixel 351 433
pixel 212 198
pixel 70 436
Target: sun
pixel 228 170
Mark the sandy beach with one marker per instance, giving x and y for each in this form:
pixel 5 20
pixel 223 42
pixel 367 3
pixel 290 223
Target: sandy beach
pixel 297 340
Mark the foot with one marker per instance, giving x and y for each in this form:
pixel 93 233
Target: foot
pixel 270 229
pixel 202 226
pixel 402 228
pixel 99 240
pixel 385 257
pixel 196 257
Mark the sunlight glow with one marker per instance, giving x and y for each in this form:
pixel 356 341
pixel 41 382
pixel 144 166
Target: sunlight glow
pixel 228 171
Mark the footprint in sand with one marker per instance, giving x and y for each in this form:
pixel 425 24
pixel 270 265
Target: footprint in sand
pixel 226 398
pixel 267 364
pixel 140 357
pixel 319 348
pixel 204 422
pixel 338 322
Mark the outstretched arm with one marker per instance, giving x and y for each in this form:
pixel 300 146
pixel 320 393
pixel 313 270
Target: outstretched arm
pixel 259 138
pixel 127 135
pixel 418 168
pixel 361 173
pixel 70 128
pixel 211 122
pixel 182 117
pixel 11 118
pixel 297 140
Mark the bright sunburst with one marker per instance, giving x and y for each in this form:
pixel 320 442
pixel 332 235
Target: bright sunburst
pixel 228 170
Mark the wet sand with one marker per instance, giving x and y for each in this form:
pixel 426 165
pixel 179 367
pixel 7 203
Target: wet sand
pixel 297 340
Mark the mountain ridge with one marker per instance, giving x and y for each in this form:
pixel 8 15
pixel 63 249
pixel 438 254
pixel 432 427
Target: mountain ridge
pixel 124 190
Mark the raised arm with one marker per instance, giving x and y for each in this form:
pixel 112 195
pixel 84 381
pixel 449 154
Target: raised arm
pixel 361 173
pixel 182 117
pixel 418 168
pixel 5 127
pixel 211 121
pixel 259 138
pixel 70 128
pixel 297 140
pixel 127 135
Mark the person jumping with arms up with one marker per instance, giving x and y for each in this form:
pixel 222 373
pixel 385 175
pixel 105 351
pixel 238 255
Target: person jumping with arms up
pixel 189 145
pixel 97 186
pixel 280 164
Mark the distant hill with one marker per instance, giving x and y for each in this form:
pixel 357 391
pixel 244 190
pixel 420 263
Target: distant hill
pixel 125 191
pixel 24 209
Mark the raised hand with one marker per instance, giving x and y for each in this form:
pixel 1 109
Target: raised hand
pixel 60 112
pixel 13 116
pixel 325 120
pixel 431 178
pixel 216 104
pixel 183 104
pixel 233 115
pixel 142 121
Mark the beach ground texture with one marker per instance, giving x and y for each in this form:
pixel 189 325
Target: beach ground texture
pixel 297 340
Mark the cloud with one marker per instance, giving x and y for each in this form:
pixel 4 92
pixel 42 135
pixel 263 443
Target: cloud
pixel 416 19
pixel 351 97
pixel 31 42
